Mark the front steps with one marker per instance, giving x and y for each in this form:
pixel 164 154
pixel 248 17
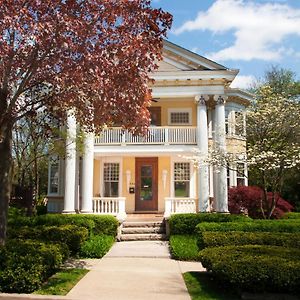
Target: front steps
pixel 143 231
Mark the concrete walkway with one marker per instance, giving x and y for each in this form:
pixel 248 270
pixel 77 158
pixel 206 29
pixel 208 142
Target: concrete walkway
pixel 135 270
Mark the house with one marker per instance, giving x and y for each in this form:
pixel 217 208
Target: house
pixel 119 173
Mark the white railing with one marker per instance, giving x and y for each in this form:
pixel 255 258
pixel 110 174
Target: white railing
pixel 156 135
pixel 179 205
pixel 109 206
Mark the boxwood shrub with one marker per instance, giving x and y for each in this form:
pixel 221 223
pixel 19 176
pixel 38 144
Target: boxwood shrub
pixel 216 239
pixel 24 265
pixel 184 247
pixel 291 215
pixel 186 223
pixel 71 235
pixel 97 246
pixel 255 268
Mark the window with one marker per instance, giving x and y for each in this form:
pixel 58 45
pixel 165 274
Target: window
pixel 227 122
pixel 239 123
pixel 54 175
pixel 228 175
pixel 240 174
pixel 111 179
pixel 181 179
pixel 180 116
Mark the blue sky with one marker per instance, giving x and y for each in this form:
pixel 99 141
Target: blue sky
pixel 250 35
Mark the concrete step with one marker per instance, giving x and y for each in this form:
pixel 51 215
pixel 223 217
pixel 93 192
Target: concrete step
pixel 143 237
pixel 142 230
pixel 142 224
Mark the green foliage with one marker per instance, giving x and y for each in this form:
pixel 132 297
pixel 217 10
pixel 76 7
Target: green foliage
pixel 291 215
pixel 61 282
pixel 25 265
pixel 186 223
pixel 71 235
pixel 184 247
pixel 255 268
pixel 237 238
pixel 97 246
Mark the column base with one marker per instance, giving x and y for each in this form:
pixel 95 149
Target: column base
pixel 68 212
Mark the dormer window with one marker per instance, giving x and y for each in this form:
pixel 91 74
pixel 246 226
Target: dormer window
pixel 180 116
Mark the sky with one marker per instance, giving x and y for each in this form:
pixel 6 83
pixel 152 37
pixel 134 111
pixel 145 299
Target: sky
pixel 249 35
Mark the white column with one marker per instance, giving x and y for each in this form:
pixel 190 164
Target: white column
pixel 221 192
pixel 87 174
pixel 70 165
pixel 203 171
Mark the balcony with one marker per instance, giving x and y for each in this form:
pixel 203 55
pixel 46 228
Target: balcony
pixel 155 136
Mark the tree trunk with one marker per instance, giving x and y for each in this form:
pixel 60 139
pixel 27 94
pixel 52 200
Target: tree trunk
pixel 5 176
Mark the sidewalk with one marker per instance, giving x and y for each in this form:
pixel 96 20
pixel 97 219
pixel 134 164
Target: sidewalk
pixel 135 270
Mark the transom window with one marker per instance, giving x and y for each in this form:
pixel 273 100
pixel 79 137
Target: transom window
pixel 111 179
pixel 182 179
pixel 180 116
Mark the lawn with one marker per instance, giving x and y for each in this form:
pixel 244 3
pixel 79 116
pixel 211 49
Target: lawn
pixel 202 286
pixel 61 282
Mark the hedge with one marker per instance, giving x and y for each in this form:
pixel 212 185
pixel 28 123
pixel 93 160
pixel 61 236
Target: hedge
pixel 291 215
pixel 186 223
pixel 216 239
pixel 184 247
pixel 95 224
pixel 71 235
pixel 255 268
pixel 24 265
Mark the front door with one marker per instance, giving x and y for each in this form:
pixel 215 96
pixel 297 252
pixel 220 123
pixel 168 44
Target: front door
pixel 146 184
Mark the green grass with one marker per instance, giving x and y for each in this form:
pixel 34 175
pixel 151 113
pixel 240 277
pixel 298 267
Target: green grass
pixel 202 286
pixel 184 247
pixel 61 282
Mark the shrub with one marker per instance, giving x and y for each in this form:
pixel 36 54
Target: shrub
pixel 248 198
pixel 186 223
pixel 184 247
pixel 255 268
pixel 291 215
pixel 216 239
pixel 71 235
pixel 97 246
pixel 26 264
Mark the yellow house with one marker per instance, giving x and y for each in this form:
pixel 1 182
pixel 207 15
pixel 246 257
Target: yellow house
pixel 119 173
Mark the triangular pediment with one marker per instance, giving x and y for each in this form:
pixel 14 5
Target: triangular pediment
pixel 176 58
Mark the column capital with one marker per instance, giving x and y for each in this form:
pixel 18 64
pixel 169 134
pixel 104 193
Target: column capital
pixel 201 99
pixel 220 99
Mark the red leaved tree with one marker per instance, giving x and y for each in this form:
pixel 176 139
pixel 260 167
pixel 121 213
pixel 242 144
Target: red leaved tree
pixel 89 57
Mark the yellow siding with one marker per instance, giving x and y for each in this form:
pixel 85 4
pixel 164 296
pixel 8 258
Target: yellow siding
pixel 96 186
pixel 182 103
pixel 128 165
pixel 163 164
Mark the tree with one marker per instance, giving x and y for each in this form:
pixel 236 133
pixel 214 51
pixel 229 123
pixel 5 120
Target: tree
pixel 91 58
pixel 273 127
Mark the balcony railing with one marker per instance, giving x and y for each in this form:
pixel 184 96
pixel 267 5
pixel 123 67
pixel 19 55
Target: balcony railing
pixel 155 136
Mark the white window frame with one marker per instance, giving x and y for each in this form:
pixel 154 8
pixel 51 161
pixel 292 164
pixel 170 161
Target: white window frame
pixel 112 160
pixel 238 176
pixel 180 110
pixel 49 175
pixel 192 191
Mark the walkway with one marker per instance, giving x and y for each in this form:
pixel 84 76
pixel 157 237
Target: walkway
pixel 140 270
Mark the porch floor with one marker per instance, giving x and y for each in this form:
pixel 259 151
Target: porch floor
pixel 144 217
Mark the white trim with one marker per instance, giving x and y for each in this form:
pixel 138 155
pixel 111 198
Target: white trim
pixel 118 160
pixel 180 110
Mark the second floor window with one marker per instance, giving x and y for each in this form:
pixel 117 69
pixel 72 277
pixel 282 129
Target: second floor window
pixel 111 179
pixel 182 179
pixel 180 116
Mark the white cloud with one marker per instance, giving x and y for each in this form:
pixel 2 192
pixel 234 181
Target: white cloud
pixel 243 81
pixel 259 29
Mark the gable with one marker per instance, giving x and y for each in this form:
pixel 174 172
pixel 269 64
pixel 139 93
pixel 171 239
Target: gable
pixel 169 65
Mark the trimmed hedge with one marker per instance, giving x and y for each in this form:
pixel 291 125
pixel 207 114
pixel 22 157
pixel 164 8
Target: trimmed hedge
pixel 292 216
pixel 255 268
pixel 97 246
pixel 186 223
pixel 289 226
pixel 237 238
pixel 71 235
pixel 95 224
pixel 24 265
pixel 184 247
